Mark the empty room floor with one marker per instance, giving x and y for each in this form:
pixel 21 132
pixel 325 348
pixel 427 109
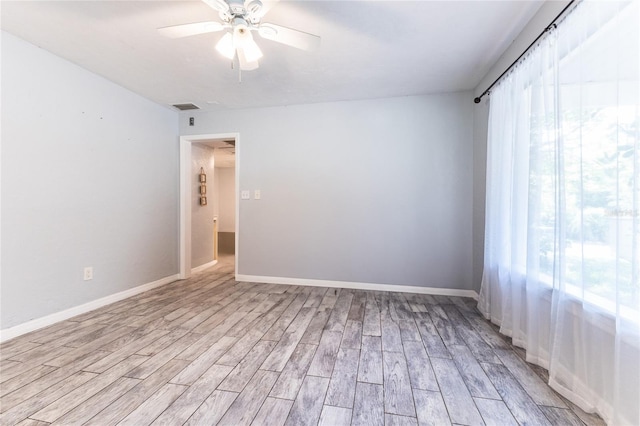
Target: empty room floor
pixel 210 350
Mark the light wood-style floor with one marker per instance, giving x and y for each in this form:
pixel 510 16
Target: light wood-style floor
pixel 210 350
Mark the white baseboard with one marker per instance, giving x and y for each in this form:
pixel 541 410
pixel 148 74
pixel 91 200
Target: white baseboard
pixel 359 286
pixel 203 267
pixel 45 321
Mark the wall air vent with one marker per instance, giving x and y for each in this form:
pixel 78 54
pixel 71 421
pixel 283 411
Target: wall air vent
pixel 186 107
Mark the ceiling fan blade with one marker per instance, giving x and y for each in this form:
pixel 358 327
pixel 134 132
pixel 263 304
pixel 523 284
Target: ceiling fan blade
pixel 186 30
pixel 244 64
pixel 289 36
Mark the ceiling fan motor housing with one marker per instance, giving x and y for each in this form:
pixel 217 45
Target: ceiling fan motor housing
pixel 237 7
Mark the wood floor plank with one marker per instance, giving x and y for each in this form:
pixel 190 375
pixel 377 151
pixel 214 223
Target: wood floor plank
pixel 495 413
pixel 368 408
pixel 340 312
pixel 37 335
pixel 356 312
pixel 288 341
pixel 51 379
pixel 456 396
pixel 278 328
pixel 294 372
pixel 352 336
pixel 517 400
pixel 430 336
pixel 561 416
pixel 240 349
pixel 24 379
pixel 154 406
pixel 488 333
pixel 398 398
pixel 240 328
pixel 125 351
pixel 396 420
pixel 409 331
pixel 246 405
pixel 342 387
pixel 444 326
pixel 430 408
pixel 391 339
pixel 370 366
pixel 93 346
pixel 532 384
pixel 128 402
pixel 314 331
pixel 371 322
pixel 28 406
pixel 400 309
pixel 161 340
pixel 97 402
pixel 474 376
pixel 420 371
pixel 480 349
pixel 12 369
pixel 187 403
pixel 201 364
pixel 17 349
pixel 244 371
pixel 31 422
pixel 325 356
pixel 60 407
pixel 335 416
pixel 212 409
pixel 161 358
pixel 307 407
pixel 274 411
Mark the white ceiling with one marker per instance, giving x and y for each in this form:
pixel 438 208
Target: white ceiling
pixel 370 49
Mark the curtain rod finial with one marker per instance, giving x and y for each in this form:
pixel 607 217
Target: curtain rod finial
pixel 477 100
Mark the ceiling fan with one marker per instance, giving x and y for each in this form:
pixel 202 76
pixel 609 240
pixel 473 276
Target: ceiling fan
pixel 240 19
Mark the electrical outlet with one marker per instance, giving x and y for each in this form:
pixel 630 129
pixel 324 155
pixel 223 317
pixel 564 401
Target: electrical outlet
pixel 245 195
pixel 88 273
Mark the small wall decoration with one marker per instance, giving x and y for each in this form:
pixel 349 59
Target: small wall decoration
pixel 203 187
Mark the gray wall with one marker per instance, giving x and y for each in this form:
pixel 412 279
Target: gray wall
pixel 227 199
pixel 202 216
pixel 376 191
pixel 89 178
pixel 480 128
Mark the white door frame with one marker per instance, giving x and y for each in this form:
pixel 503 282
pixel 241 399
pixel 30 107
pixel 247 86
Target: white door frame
pixel 185 197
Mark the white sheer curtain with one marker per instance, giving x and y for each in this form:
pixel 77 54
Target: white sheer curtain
pixel 562 240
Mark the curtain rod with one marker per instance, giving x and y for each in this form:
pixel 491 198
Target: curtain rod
pixel 549 27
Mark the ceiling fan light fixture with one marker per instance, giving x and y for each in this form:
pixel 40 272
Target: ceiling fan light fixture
pixel 226 46
pixel 252 51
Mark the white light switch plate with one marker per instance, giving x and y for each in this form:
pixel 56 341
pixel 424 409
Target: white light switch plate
pixel 245 195
pixel 256 194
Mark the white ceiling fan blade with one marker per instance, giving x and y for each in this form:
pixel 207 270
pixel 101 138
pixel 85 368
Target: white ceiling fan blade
pixel 244 64
pixel 186 30
pixel 289 36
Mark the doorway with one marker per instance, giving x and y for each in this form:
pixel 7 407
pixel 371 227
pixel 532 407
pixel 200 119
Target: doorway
pixel 223 226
